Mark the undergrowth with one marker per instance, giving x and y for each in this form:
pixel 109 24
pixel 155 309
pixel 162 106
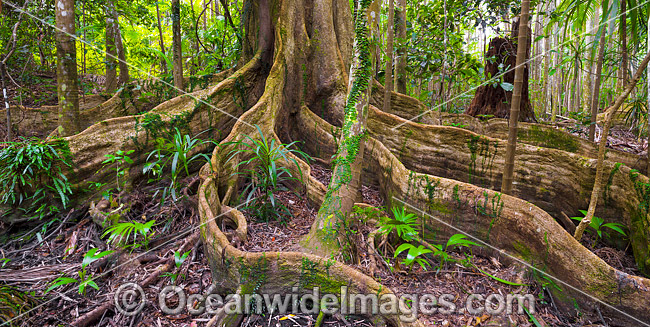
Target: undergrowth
pixel 32 178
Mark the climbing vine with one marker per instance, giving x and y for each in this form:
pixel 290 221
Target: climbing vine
pixel 351 139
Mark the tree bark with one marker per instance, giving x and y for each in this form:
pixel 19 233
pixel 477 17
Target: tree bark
pixel 388 75
pixel 161 41
pixel 647 121
pixel 522 50
pixel 609 113
pixel 400 69
pixel 623 39
pixel 596 93
pixel 67 87
pixel 177 45
pixel 330 226
pixel 269 93
pixel 111 52
pixel 121 52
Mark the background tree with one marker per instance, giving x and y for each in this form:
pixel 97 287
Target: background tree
pixel 177 45
pixel 400 68
pixel 596 92
pixel 66 54
pixel 495 97
pixel 390 26
pixel 111 52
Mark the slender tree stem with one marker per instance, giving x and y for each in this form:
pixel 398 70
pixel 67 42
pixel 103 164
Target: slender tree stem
pixel 609 113
pixel 522 45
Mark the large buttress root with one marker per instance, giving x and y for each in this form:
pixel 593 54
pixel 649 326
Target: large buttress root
pixel 556 181
pixel 194 113
pixel 509 224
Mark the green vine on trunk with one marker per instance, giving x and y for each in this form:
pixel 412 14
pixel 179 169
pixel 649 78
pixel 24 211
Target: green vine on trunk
pixel 349 146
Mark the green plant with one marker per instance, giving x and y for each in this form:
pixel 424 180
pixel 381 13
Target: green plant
pixel 85 279
pixel 265 174
pixel 174 153
pixel 459 125
pixel 414 255
pixel 125 234
pixel 178 261
pixel 598 224
pixel 120 159
pixel 403 222
pixel 4 261
pixel 31 176
pixel 456 240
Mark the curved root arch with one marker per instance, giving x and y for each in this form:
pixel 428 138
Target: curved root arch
pixel 185 112
pixel 508 224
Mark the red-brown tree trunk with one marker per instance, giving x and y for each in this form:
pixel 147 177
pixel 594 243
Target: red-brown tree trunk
pixel 494 98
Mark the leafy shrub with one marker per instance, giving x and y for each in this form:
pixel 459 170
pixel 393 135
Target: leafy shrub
pixel 120 159
pixel 414 255
pixel 403 222
pixel 174 153
pixel 125 234
pixel 266 177
pixel 598 224
pixel 32 178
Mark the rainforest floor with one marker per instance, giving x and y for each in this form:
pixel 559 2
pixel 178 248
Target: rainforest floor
pixel 38 256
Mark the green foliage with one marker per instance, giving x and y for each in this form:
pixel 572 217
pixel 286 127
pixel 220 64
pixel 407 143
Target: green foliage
pixel 265 174
pixel 403 223
pixel 636 113
pixel 179 259
pixel 32 178
pixel 85 278
pixel 459 125
pixel 177 153
pixel 120 159
pixel 414 255
pixel 598 224
pixel 126 234
pixel 456 240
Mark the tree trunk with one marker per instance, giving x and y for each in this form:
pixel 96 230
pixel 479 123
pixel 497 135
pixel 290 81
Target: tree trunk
pixel 330 225
pixel 548 99
pixel 161 41
pixel 596 93
pixel 400 69
pixel 623 38
pixel 522 50
pixel 388 75
pixel 177 45
pixel 121 52
pixel 111 52
pixel 609 114
pixel 66 54
pixel 493 99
